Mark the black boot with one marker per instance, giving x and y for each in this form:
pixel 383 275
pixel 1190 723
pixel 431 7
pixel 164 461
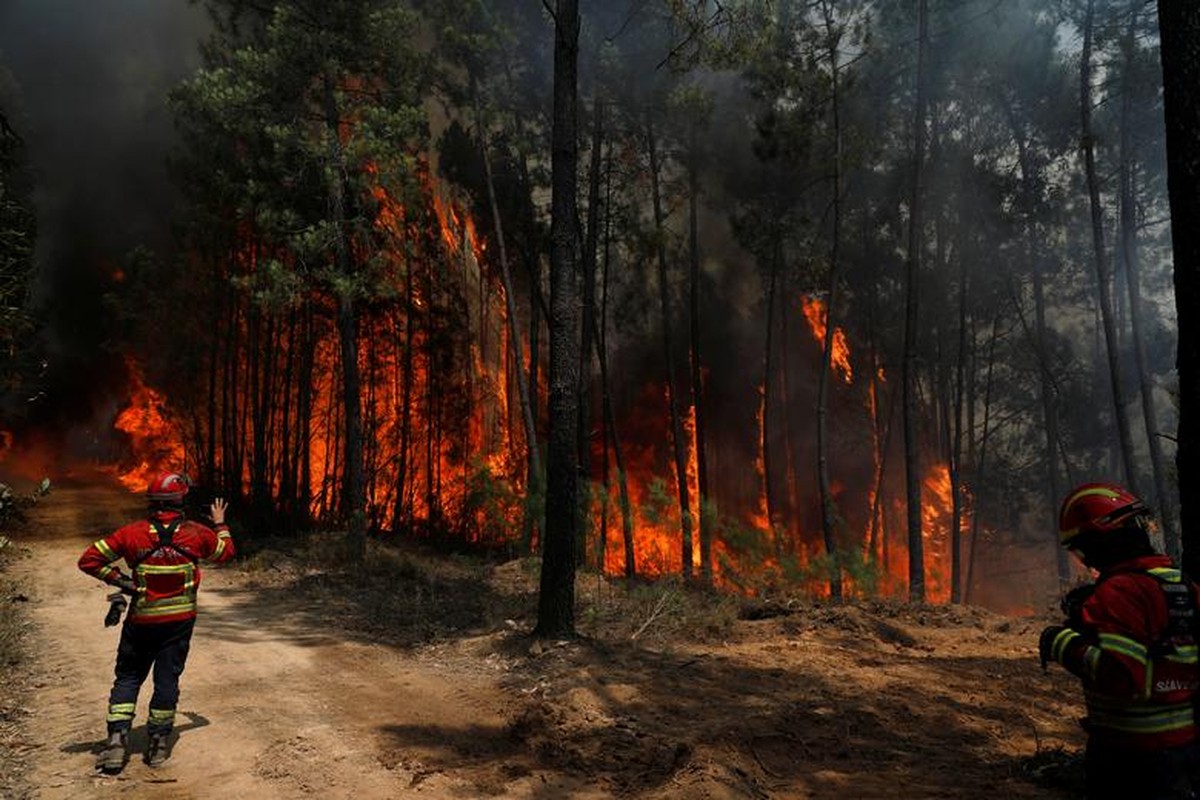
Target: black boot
pixel 158 750
pixel 115 753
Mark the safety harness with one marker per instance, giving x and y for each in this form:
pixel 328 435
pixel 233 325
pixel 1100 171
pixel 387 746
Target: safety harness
pixel 1181 611
pixel 166 539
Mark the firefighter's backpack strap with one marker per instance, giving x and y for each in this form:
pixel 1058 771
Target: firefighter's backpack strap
pixel 1181 606
pixel 166 532
pixel 166 536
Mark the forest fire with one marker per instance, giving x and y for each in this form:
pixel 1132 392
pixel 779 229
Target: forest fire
pixel 154 440
pixel 444 453
pixel 817 315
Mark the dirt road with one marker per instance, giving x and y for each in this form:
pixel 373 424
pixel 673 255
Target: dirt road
pixel 275 703
pixel 293 690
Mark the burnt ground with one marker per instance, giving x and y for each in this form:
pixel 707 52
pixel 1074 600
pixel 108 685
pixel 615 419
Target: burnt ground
pixel 417 676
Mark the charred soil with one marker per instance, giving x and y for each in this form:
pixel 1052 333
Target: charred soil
pixel 416 676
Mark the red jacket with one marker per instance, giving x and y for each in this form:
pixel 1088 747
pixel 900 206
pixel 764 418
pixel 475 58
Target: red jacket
pixel 1139 677
pixel 166 576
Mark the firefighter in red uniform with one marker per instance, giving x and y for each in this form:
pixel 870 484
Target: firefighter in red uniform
pixel 1131 639
pixel 163 554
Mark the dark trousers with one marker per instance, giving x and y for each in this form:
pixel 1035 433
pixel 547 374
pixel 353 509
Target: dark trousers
pixel 163 647
pixel 1158 775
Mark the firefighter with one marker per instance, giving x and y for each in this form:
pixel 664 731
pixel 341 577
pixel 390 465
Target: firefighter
pixel 163 555
pixel 1130 638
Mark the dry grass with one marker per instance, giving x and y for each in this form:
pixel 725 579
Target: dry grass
pixel 14 623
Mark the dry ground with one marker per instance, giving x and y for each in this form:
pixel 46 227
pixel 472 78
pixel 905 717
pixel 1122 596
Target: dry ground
pixel 303 683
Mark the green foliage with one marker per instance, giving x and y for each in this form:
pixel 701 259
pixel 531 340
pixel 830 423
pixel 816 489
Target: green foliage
pixel 659 507
pixel 492 506
pixel 259 122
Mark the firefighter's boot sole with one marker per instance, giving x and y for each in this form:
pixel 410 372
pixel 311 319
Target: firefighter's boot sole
pixel 114 755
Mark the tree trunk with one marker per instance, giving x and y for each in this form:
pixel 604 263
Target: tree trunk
pixel 679 444
pixel 697 363
pixel 1179 30
pixel 353 483
pixel 556 595
pixel 912 455
pixel 610 420
pixel 1046 385
pixel 588 322
pixel 973 540
pixel 1120 409
pixel 1163 501
pixel 956 447
pixel 828 510
pixel 764 415
pixel 514 332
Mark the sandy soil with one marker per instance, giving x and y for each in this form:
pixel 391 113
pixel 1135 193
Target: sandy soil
pixel 287 695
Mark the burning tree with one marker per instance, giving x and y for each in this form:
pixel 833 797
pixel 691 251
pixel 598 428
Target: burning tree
pixel 371 285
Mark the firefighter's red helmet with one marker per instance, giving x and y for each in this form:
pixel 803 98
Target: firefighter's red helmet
pixel 1097 507
pixel 168 487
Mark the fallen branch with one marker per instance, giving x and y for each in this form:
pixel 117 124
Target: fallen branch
pixel 655 614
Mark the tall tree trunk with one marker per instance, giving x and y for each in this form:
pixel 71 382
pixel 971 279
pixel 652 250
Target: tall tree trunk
pixel 764 415
pixel 828 510
pixel 1050 424
pixel 514 332
pixel 556 596
pixel 353 481
pixel 588 322
pixel 956 447
pixel 679 444
pixel 912 455
pixel 1038 339
pixel 1163 501
pixel 697 363
pixel 1120 408
pixel 610 419
pixel 1179 31
pixel 978 466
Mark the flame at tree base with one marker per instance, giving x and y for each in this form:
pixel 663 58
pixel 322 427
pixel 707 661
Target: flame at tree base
pixel 154 440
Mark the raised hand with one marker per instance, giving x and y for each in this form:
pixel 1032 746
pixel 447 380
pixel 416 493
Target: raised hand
pixel 217 511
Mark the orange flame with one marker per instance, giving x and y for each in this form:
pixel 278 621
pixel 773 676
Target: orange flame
pixel 817 316
pixel 154 439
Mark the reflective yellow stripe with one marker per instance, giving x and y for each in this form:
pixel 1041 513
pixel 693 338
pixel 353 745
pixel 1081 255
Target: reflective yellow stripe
pixel 105 550
pixel 1123 645
pixel 1168 574
pixel 1158 719
pixel 162 714
pixel 1061 641
pixel 165 569
pixel 220 546
pixel 174 605
pixel 105 571
pixel 188 571
pixel 120 712
pixel 1095 490
pixel 1184 654
pixel 1091 658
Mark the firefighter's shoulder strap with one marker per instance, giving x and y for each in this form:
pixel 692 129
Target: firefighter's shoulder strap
pixel 166 536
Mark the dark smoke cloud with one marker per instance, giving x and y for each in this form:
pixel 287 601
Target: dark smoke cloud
pixel 93 76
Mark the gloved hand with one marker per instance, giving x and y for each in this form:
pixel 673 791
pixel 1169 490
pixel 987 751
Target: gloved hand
pixel 116 607
pixel 1072 603
pixel 1046 642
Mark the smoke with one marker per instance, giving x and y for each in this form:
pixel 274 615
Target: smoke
pixel 93 79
